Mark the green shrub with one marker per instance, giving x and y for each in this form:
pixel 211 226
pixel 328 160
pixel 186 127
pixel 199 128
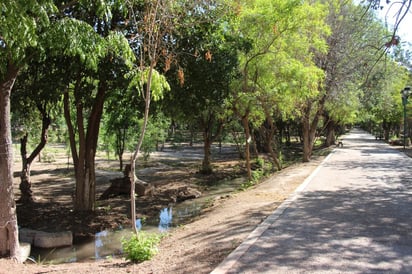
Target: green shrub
pixel 141 247
pixel 259 171
pixel 257 175
pixel 247 185
pixel 260 163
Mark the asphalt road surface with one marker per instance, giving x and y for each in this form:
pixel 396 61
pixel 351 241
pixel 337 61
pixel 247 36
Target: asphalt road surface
pixel 352 215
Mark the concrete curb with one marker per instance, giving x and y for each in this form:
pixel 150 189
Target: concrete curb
pixel 233 257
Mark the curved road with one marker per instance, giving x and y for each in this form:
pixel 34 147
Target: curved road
pixel 352 215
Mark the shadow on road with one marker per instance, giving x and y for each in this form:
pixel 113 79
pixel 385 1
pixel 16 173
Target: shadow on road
pixel 353 230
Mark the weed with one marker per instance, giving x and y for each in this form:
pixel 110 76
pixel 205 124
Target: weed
pixel 247 185
pixel 209 202
pixel 141 247
pixel 43 261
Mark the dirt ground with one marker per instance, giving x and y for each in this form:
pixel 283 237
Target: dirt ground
pixel 197 246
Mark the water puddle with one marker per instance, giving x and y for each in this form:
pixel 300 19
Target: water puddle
pixel 106 244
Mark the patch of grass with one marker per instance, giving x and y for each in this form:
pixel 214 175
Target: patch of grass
pixel 209 202
pixel 246 185
pixel 47 157
pixel 141 247
pixel 43 261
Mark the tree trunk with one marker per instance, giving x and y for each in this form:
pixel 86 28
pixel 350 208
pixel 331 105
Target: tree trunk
pixel 132 175
pixel 85 186
pixel 307 140
pixel 386 126
pixel 245 123
pixel 120 144
pixel 330 133
pixel 309 127
pixel 207 125
pixel 9 238
pixel 120 162
pixel 25 183
pixel 84 154
pixel 270 133
pixel 206 163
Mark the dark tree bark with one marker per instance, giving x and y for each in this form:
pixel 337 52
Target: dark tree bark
pixel 208 139
pixel 386 126
pixel 120 144
pixel 25 183
pixel 307 139
pixel 9 240
pixel 330 133
pixel 309 127
pixel 84 154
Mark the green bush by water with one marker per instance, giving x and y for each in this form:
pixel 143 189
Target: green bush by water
pixel 141 247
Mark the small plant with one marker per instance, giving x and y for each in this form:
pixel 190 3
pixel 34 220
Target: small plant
pixel 47 157
pixel 209 202
pixel 141 247
pixel 246 185
pixel 281 158
pixel 260 163
pixel 257 175
pixel 259 171
pixel 43 261
pixel 99 205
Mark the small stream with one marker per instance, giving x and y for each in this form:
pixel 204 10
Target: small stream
pixel 106 244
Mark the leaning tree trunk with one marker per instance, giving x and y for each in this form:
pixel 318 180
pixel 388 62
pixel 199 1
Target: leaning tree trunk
pixel 25 183
pixel 9 238
pixel 309 127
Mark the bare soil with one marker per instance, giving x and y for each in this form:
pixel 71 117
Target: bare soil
pixel 195 247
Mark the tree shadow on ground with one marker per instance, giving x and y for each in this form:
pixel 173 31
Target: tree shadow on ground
pixel 361 230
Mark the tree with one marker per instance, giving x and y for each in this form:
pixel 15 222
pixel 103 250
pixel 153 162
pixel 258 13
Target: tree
pixel 93 47
pixel 277 68
pixel 209 52
pixel 156 25
pixel 120 122
pixel 380 101
pixel 357 38
pixel 34 96
pixel 20 27
pixel 88 96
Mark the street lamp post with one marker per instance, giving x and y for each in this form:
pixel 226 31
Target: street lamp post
pixel 405 94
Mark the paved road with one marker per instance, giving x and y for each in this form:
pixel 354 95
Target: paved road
pixel 352 215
